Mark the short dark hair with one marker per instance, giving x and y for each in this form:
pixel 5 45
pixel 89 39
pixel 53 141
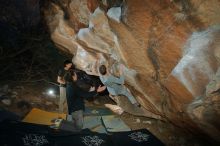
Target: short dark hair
pixel 102 70
pixel 66 62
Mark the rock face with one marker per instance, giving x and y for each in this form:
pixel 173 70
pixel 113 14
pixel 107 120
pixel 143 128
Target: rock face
pixel 170 51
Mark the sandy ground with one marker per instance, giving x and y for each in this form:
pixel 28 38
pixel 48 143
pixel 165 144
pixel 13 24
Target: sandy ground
pixel 35 95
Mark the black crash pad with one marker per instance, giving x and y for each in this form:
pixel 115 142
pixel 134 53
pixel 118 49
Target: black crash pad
pixel 140 137
pixel 13 133
pixel 7 115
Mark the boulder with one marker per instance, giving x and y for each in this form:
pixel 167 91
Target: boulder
pixel 115 14
pixel 170 51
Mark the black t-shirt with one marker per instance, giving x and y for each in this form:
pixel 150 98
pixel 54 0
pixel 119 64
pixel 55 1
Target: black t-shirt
pixel 75 96
pixel 68 76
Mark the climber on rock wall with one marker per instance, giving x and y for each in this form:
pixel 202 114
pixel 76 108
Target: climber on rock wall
pixel 115 85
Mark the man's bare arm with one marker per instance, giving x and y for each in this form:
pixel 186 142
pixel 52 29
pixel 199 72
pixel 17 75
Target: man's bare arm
pixel 60 80
pixel 74 77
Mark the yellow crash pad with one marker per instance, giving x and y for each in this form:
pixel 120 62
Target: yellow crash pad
pixel 42 117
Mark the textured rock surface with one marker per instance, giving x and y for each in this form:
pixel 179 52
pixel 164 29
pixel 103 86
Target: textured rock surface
pixel 170 50
pixel 115 13
pixel 198 64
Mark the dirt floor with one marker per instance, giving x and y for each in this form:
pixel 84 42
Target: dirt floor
pixel 24 98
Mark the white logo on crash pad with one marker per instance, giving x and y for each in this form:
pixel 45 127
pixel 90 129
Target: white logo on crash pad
pixel 139 136
pixel 34 140
pixel 92 140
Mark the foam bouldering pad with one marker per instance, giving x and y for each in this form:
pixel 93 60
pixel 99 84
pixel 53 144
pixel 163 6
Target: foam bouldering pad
pixel 140 137
pixel 114 124
pixel 39 116
pixel 19 133
pixel 7 115
pixel 94 123
pixel 82 139
pixel 97 111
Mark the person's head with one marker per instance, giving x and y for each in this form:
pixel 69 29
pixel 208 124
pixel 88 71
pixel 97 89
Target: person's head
pixel 102 70
pixel 67 64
